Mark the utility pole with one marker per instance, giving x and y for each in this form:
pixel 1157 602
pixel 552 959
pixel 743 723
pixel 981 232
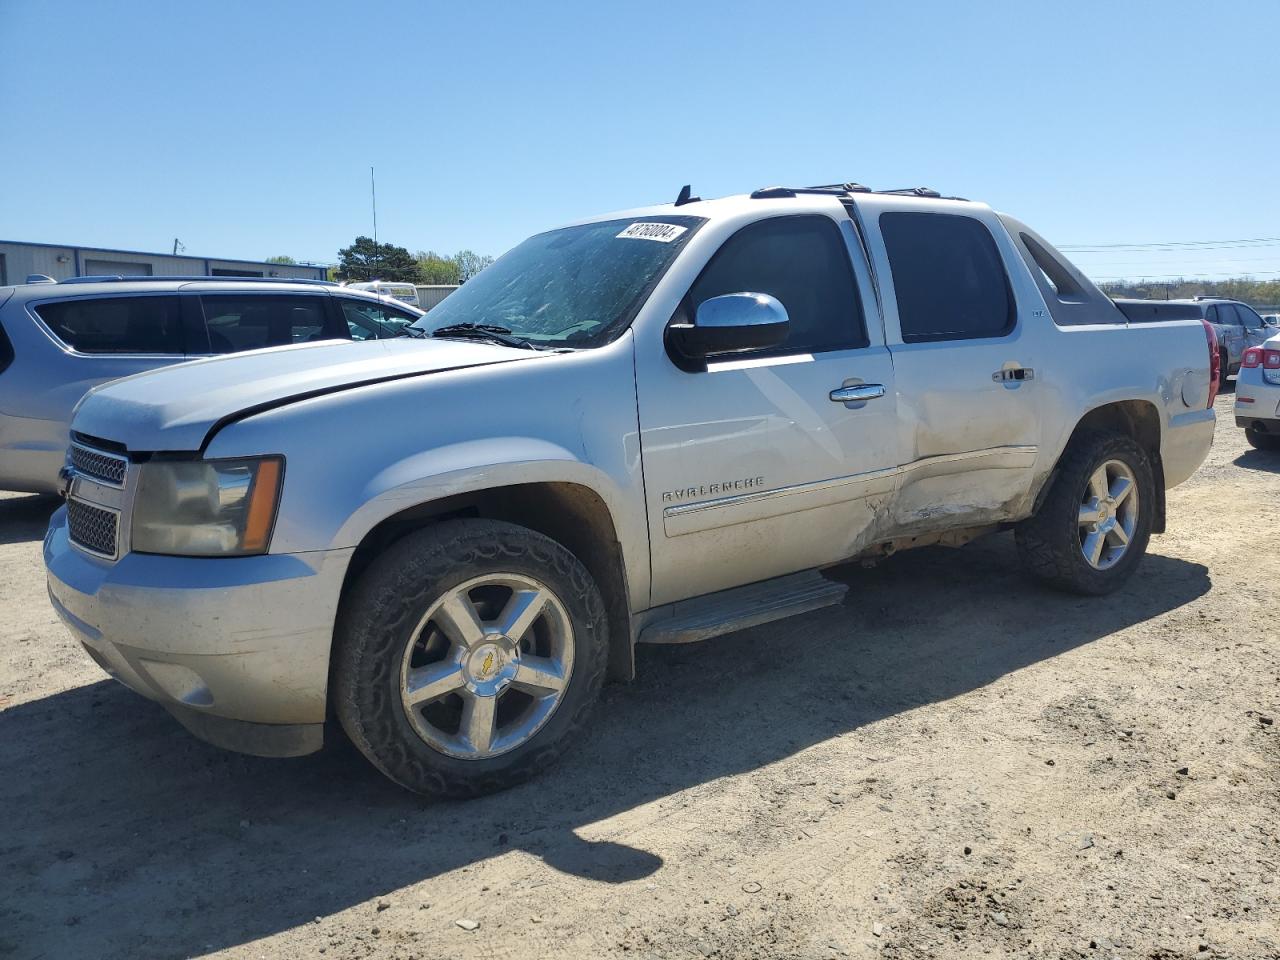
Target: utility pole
pixel 373 195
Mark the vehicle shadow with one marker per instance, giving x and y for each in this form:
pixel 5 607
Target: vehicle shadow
pixel 25 518
pixel 1268 460
pixel 125 837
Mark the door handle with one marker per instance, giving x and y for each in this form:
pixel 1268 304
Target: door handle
pixel 857 392
pixel 1015 375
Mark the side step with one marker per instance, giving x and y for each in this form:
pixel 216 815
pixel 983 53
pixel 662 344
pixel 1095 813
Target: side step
pixel 742 607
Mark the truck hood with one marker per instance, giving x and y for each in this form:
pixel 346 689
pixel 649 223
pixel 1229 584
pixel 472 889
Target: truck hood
pixel 179 407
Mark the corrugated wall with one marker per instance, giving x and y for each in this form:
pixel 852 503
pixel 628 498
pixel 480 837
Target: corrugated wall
pixel 431 294
pixel 24 259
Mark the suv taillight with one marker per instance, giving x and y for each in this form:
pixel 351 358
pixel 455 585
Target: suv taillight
pixel 1261 357
pixel 1215 361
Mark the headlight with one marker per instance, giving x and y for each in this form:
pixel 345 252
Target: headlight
pixel 206 508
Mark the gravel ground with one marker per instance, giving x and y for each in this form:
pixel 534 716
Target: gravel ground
pixel 956 763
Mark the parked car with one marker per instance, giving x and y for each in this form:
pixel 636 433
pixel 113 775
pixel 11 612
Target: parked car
pixel 655 426
pixel 1272 320
pixel 1238 326
pixel 404 292
pixel 1258 395
pixel 59 339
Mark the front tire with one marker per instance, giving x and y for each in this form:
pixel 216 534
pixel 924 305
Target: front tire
pixel 1092 529
pixel 468 656
pixel 1262 441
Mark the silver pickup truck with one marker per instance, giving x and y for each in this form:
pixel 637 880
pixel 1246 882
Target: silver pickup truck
pixel 655 426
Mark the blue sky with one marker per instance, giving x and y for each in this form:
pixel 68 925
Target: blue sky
pixel 247 128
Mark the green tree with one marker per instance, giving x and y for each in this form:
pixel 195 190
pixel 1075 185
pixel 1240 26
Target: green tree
pixel 434 268
pixel 470 263
pixel 366 260
pixel 281 259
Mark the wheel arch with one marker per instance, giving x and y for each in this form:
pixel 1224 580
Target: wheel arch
pixel 1138 419
pixel 572 513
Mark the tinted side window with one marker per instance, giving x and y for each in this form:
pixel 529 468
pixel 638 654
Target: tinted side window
pixel 1227 314
pixel 373 321
pixel 948 276
pixel 1251 319
pixel 247 321
pixel 803 262
pixel 1212 315
pixel 117 324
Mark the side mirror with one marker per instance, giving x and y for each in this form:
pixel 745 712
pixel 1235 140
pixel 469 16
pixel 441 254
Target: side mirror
pixel 733 323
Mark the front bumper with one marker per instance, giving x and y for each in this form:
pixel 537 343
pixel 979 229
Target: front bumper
pixel 236 648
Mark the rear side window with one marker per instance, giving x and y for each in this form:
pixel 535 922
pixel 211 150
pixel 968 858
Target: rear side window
pixel 1249 318
pixel 374 321
pixel 804 263
pixel 236 322
pixel 948 276
pixel 1227 314
pixel 117 324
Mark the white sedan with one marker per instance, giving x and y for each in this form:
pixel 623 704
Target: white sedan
pixel 1258 395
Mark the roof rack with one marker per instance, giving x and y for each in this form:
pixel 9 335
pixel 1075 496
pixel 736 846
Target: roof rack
pixel 845 189
pixel 112 278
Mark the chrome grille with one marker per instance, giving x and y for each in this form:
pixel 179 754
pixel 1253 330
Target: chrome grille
pixel 100 466
pixel 92 528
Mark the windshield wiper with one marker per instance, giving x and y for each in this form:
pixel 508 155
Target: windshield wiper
pixel 483 331
pixel 415 332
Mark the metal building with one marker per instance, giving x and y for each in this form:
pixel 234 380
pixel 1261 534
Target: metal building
pixel 429 294
pixel 20 260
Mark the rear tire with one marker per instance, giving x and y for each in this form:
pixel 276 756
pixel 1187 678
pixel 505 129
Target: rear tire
pixel 1262 441
pixel 1092 529
pixel 1223 383
pixel 468 657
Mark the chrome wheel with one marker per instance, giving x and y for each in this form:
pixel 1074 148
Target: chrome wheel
pixel 487 666
pixel 1108 514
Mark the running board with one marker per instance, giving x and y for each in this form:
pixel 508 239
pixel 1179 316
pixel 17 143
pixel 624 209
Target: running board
pixel 742 607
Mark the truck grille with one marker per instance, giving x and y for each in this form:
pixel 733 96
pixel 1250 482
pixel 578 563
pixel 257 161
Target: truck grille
pixel 93 528
pixel 98 465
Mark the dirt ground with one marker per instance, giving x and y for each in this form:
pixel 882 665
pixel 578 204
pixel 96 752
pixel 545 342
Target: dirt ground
pixel 956 763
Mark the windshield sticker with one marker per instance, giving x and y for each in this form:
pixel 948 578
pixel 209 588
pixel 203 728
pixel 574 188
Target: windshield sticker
pixel 662 232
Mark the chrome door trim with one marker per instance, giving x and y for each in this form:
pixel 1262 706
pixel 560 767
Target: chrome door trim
pixel 1013 457
pixel 704 515
pixel 747 507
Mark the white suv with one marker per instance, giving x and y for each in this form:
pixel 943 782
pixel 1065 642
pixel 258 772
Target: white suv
pixel 653 426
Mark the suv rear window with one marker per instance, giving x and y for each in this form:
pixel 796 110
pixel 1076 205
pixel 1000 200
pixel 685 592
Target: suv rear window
pixel 948 277
pixel 236 322
pixel 147 324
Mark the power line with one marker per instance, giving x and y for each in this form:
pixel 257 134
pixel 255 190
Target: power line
pixel 1185 276
pixel 1165 244
pixel 1123 263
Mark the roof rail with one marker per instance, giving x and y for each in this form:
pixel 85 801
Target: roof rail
pixel 844 190
pixel 112 278
pixel 914 192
